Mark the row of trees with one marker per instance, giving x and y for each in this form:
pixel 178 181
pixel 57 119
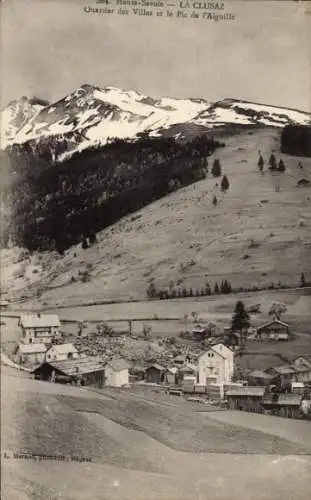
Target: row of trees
pixel 177 293
pixel 272 162
pixel 224 287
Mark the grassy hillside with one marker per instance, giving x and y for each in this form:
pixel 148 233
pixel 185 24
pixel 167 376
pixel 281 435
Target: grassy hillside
pixel 135 447
pixel 258 233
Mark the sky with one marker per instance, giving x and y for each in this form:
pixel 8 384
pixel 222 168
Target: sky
pixel 51 47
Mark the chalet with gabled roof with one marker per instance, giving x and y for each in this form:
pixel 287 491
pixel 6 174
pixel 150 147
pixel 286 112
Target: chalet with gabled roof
pixel 273 330
pixel 39 328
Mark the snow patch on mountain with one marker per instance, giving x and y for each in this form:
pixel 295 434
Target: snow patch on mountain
pixel 249 113
pixel 14 117
pixel 92 115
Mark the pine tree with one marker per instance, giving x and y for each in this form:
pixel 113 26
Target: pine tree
pixel 260 163
pixel 84 244
pixel 281 166
pixel 224 183
pixel 92 238
pixel 151 291
pixel 208 290
pixel 215 201
pixel 272 162
pixel 302 280
pixel 226 287
pixel 240 318
pixel 216 168
pixel 216 288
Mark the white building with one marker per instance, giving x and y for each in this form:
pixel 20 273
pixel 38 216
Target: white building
pixel 61 352
pixel 30 353
pixel 216 365
pixel 117 373
pixel 39 328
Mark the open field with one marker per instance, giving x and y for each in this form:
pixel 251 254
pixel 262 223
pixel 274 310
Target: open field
pixel 145 450
pixel 254 236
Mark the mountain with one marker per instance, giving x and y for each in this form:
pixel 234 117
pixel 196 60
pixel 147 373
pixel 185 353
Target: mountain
pixel 249 113
pixel 258 234
pixel 15 116
pixel 92 116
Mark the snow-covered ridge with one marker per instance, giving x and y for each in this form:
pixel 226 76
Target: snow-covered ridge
pixel 91 115
pixel 17 114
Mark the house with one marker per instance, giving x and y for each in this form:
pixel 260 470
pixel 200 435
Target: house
pixel 179 360
pixel 298 388
pixel 39 328
pixel 303 182
pixel 137 372
pixel 260 378
pixel 30 353
pixel 170 376
pixel 216 365
pixel 273 330
pixel 155 374
pixel 283 375
pixel 188 384
pixel 246 398
pixel 85 371
pixel 117 373
pixel 61 352
pixel 290 405
pixel 188 370
pixel 4 304
pixel 302 365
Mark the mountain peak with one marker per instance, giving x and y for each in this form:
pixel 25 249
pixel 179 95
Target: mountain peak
pixel 94 115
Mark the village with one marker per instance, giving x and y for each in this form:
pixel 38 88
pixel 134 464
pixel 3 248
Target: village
pixel 204 365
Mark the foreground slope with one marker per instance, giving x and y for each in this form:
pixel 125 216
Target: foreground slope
pixel 218 460
pixel 254 236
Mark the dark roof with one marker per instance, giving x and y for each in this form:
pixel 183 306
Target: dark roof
pixel 157 367
pixel 247 391
pixel 284 369
pixel 85 365
pixel 261 374
pixel 277 321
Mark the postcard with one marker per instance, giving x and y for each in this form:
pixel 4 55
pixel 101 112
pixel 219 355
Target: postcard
pixel 155 249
